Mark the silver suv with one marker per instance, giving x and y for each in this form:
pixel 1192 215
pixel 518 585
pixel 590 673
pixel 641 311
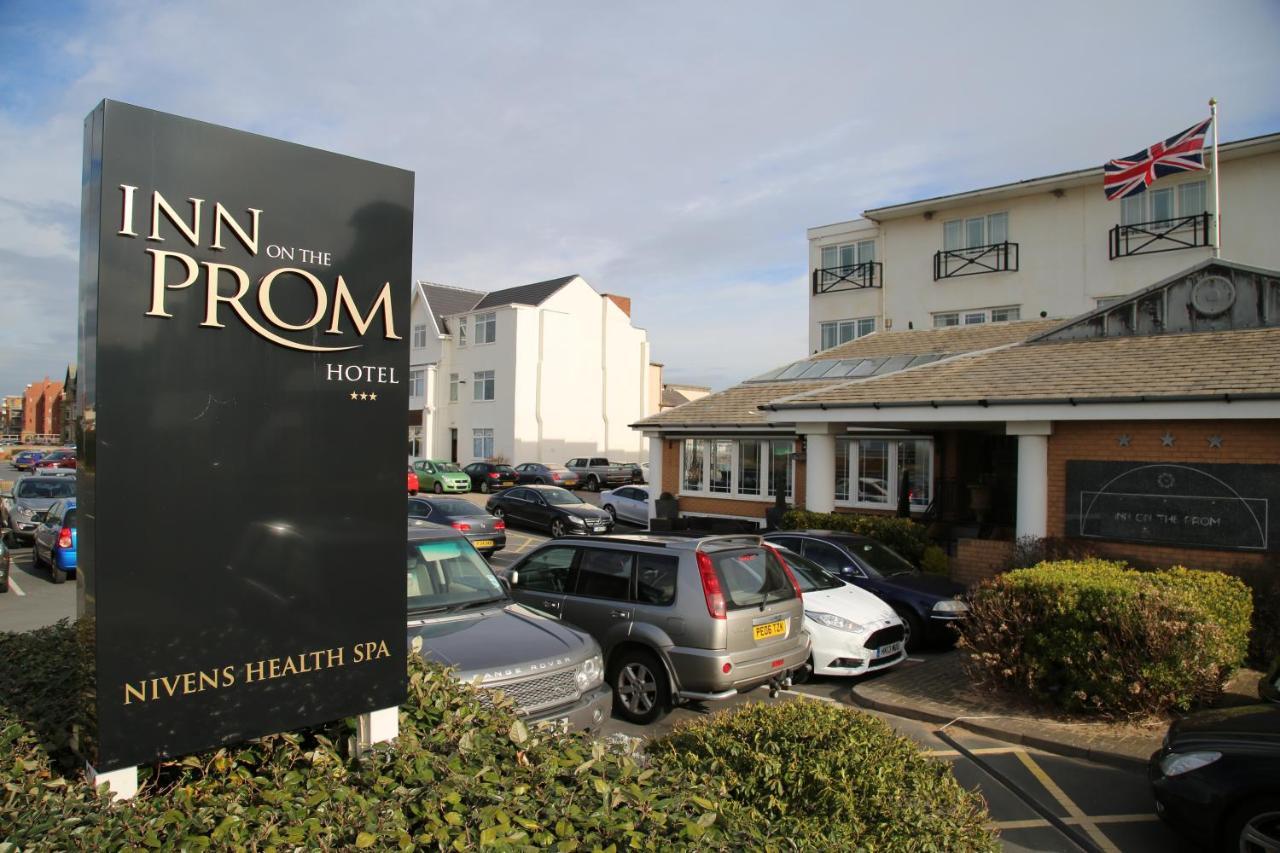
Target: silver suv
pixel 677 618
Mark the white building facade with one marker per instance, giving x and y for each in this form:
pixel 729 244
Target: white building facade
pixel 1046 247
pixel 537 373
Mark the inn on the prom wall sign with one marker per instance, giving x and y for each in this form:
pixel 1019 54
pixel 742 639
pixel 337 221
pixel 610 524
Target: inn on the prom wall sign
pixel 242 519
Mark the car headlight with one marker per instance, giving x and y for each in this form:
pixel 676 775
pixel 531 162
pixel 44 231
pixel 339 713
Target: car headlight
pixel 951 605
pixel 1175 764
pixel 590 673
pixel 573 519
pixel 833 621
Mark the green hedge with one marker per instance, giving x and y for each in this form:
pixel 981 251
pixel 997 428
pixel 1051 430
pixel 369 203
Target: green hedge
pixel 461 775
pixel 835 778
pixel 901 534
pixel 1096 636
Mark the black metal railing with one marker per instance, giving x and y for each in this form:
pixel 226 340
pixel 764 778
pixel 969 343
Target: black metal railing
pixel 849 277
pixel 1160 235
pixel 997 257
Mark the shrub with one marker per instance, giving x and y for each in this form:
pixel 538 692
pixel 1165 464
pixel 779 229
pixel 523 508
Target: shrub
pixel 901 534
pixel 935 562
pixel 1096 636
pixel 830 778
pixel 1031 551
pixel 1264 640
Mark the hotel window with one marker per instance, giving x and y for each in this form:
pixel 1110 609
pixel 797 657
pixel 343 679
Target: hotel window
pixel 977 316
pixel 693 462
pixel 873 481
pixel 838 332
pixel 453 387
pixel 482 443
pixel 842 470
pixel 1006 315
pixel 947 318
pixel 733 467
pixel 721 458
pixel 483 387
pixel 975 231
pixel 462 331
pixel 419 336
pixel 415 383
pixel 486 328
pixel 1176 202
pixel 870 472
pixel 749 466
pixel 784 449
pixel 861 252
pixel 973 318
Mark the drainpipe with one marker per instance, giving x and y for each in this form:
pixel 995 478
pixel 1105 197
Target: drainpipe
pixel 604 371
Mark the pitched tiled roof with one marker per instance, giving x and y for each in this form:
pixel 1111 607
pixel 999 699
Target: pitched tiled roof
pixel 525 294
pixel 737 406
pixel 1199 364
pixel 445 300
pixel 949 339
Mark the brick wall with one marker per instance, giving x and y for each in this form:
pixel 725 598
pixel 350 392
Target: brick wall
pixel 979 559
pixel 1255 441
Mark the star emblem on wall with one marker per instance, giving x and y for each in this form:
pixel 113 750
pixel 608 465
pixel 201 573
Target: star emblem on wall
pixel 1124 440
pixel 1167 439
pixel 364 396
pixel 355 396
pixel 1215 441
pixel 373 396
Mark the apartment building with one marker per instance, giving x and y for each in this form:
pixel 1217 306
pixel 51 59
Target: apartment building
pixel 42 411
pixel 540 372
pixel 1051 246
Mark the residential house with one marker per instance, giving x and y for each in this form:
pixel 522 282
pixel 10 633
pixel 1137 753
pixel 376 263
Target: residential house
pixel 677 395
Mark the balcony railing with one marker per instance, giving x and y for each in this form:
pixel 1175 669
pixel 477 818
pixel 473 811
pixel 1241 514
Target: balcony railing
pixel 851 277
pixel 1161 235
pixel 997 257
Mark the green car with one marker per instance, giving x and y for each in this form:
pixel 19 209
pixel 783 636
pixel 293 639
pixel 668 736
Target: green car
pixel 438 476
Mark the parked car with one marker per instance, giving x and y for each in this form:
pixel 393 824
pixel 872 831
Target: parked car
pixel 678 618
pixel 26 458
pixel 537 474
pixel 596 472
pixel 489 477
pixel 1216 778
pixel 54 542
pixel 927 604
pixel 629 503
pixel 6 563
pixel 58 459
pixel 551 508
pixel 25 507
pixel 413 481
pixel 435 475
pixel 485 533
pixel 640 473
pixel 463 617
pixel 853 631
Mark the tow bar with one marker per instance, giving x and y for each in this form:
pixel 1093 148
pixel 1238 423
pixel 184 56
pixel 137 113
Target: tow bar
pixel 777 685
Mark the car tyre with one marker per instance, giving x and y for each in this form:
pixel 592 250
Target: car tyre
pixel 438 489
pixel 35 555
pixel 801 674
pixel 593 485
pixel 58 575
pixel 613 513
pixel 557 528
pixel 913 630
pixel 1253 825
pixel 641 692
pixel 497 512
pixel 484 487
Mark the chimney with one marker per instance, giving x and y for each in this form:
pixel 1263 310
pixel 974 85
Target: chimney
pixel 622 302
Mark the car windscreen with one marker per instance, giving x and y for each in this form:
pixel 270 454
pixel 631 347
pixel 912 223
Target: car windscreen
pixel 455 507
pixel 560 497
pixel 444 574
pixel 749 576
pixel 50 488
pixel 882 560
pixel 809 574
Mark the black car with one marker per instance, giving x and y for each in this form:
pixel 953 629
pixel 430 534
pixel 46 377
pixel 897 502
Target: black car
pixel 489 477
pixel 1216 779
pixel 485 533
pixel 550 508
pixel 928 604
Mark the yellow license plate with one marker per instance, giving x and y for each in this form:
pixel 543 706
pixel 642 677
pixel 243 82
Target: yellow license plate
pixel 484 543
pixel 773 629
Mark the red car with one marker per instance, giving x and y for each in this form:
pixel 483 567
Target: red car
pixel 413 481
pixel 56 459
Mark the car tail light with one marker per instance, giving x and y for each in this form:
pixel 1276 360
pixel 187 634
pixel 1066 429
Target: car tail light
pixel 493 475
pixel 64 538
pixel 555 475
pixel 461 525
pixel 499 525
pixel 711 587
pixel 794 584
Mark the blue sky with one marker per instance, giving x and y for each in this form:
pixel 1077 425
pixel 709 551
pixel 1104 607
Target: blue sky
pixel 673 152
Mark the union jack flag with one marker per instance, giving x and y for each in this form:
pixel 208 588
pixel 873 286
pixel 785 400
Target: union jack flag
pixel 1182 152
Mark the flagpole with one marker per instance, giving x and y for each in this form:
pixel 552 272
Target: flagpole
pixel 1217 204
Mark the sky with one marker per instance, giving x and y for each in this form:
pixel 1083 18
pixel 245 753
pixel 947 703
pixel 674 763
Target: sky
pixel 672 152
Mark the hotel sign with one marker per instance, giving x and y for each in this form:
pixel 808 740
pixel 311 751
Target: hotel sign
pixel 243 360
pixel 1231 507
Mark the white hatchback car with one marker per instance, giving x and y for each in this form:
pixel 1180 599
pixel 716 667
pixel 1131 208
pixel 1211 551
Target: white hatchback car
pixel 853 631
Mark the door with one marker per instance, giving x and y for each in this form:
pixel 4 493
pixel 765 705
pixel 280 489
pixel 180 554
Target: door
pixel 542 580
pixel 419 509
pixel 833 560
pixel 46 532
pixel 453 445
pixel 538 511
pixel 638 506
pixel 600 603
pixel 515 504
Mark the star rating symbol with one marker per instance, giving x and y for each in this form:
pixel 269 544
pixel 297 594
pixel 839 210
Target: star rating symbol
pixel 355 396
pixel 1124 440
pixel 1167 439
pixel 373 396
pixel 1215 441
pixel 364 396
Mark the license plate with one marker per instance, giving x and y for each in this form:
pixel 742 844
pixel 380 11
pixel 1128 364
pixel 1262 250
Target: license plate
pixel 773 629
pixel 889 650
pixel 483 543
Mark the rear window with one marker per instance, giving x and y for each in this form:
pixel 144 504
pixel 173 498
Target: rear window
pixel 69 520
pixel 505 469
pixel 749 576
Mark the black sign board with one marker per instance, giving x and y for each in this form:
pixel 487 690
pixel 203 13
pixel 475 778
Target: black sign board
pixel 243 389
pixel 1175 503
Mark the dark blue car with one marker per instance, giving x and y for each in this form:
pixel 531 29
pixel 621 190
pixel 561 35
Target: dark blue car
pixel 927 604
pixel 54 544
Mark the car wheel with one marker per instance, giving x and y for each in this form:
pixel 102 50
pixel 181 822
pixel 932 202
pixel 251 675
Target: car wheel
pixel 913 631
pixel 412 492
pixel 557 528
pixel 637 479
pixel 437 488
pixel 613 513
pixel 4 585
pixel 593 485
pixel 802 674
pixel 1253 825
pixel 497 512
pixel 484 487
pixel 58 575
pixel 641 693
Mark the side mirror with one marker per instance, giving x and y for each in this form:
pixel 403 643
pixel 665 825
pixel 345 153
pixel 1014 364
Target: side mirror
pixel 512 580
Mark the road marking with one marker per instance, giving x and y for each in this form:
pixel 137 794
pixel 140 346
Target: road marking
pixel 13 584
pixel 982 750
pixel 1081 819
pixel 1039 823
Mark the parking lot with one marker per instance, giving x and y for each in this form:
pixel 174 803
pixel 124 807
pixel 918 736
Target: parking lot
pixel 1038 801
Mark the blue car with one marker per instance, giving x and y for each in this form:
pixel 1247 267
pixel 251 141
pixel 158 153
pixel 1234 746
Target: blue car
pixel 928 605
pixel 55 540
pixel 27 458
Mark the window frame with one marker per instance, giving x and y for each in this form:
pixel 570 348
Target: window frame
pixel 453 387
pixel 961 317
pixel 764 450
pixel 894 471
pixel 419 335
pixel 854 325
pixel 489 322
pixel 483 382
pixel 417 382
pixel 961 229
pixel 462 331
pixel 480 434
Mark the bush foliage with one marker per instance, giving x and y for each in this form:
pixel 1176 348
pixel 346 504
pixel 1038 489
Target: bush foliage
pixel 901 534
pixel 1096 636
pixel 462 775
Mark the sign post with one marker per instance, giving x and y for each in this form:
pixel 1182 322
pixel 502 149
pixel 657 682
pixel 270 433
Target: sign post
pixel 243 387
